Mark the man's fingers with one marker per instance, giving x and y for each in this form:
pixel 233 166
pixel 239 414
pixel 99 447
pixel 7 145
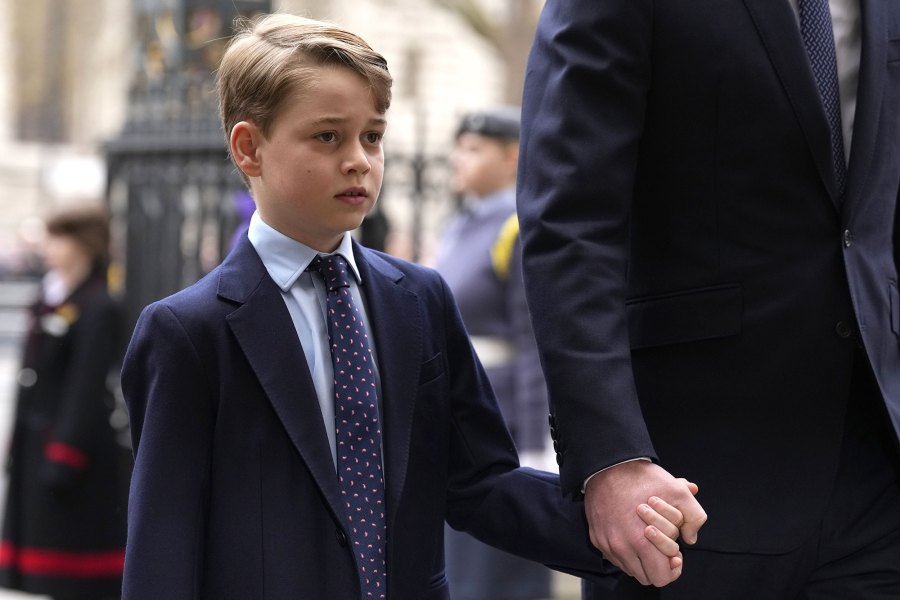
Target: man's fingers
pixel 636 570
pixel 624 557
pixel 656 565
pixel 661 515
pixel 694 518
pixel 623 554
pixel 693 487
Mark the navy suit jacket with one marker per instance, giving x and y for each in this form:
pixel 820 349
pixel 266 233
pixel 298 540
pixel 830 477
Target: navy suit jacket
pixel 234 494
pixel 697 285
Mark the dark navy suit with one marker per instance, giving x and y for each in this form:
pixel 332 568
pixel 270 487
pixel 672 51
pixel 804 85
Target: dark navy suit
pixel 235 495
pixel 700 292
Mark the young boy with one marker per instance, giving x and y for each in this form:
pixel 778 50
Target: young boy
pixel 262 397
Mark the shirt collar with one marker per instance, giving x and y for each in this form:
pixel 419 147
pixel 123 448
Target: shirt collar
pixel 285 258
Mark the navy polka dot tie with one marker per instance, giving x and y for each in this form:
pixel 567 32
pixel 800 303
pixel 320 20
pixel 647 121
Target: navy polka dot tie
pixel 818 38
pixel 357 426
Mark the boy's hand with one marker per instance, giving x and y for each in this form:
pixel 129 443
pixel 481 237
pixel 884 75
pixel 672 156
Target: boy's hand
pixel 663 521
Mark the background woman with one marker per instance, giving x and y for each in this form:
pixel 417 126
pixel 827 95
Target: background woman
pixel 64 527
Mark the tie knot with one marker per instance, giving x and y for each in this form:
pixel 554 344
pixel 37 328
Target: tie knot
pixel 334 270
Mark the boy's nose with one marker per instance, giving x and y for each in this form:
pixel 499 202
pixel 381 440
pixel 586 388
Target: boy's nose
pixel 356 160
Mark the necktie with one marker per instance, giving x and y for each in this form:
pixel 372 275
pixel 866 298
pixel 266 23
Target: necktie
pixel 818 38
pixel 357 426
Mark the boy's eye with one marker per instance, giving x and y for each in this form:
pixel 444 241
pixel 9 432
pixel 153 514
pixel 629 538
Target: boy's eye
pixel 328 136
pixel 373 137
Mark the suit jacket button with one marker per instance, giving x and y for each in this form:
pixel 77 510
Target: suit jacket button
pixel 847 238
pixel 341 538
pixel 843 330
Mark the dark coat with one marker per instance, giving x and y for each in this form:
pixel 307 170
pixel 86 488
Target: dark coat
pixel 697 285
pixel 234 494
pixel 64 527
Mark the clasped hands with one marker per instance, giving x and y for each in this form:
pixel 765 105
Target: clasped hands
pixel 642 542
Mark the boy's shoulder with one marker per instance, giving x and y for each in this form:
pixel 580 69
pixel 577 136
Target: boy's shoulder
pixel 197 302
pixel 413 276
pixel 388 263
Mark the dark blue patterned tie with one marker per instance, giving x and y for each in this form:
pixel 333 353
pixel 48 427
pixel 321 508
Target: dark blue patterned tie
pixel 357 426
pixel 818 38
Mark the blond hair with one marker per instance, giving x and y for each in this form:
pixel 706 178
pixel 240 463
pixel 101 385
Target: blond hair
pixel 269 59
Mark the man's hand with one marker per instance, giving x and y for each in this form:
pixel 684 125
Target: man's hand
pixel 617 529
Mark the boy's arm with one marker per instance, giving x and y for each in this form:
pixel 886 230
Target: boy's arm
pixel 168 397
pixel 519 510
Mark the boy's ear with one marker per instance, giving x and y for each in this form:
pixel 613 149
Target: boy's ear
pixel 244 145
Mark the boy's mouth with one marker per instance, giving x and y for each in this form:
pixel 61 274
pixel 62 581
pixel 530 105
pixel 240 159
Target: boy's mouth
pixel 355 195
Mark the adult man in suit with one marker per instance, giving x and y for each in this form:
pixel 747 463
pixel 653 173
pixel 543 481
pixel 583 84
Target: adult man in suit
pixel 711 248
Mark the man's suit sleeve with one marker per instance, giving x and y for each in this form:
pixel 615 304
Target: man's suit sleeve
pixel 582 122
pixel 897 237
pixel 168 398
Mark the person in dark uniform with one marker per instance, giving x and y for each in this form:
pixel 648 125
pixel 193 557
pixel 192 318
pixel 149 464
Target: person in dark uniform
pixel 480 258
pixel 64 527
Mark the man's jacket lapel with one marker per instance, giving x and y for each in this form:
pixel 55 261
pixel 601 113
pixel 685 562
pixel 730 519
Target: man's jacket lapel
pixel 777 27
pixel 869 95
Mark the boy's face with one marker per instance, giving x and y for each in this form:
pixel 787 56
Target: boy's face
pixel 483 165
pixel 319 171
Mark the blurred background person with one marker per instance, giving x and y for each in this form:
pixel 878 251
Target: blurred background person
pixel 480 257
pixel 64 526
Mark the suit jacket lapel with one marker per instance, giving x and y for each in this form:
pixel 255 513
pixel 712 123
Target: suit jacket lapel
pixel 868 96
pixel 396 322
pixel 777 26
pixel 266 334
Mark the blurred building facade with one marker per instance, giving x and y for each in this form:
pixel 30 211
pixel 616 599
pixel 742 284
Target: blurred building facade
pixel 64 68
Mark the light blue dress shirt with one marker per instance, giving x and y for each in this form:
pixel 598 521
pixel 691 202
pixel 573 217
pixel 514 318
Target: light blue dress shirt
pixel 304 295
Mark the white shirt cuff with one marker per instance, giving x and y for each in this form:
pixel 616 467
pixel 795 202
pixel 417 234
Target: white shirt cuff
pixel 584 485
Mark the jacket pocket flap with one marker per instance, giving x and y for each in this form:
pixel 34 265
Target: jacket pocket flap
pixel 894 50
pixel 431 369
pixel 685 316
